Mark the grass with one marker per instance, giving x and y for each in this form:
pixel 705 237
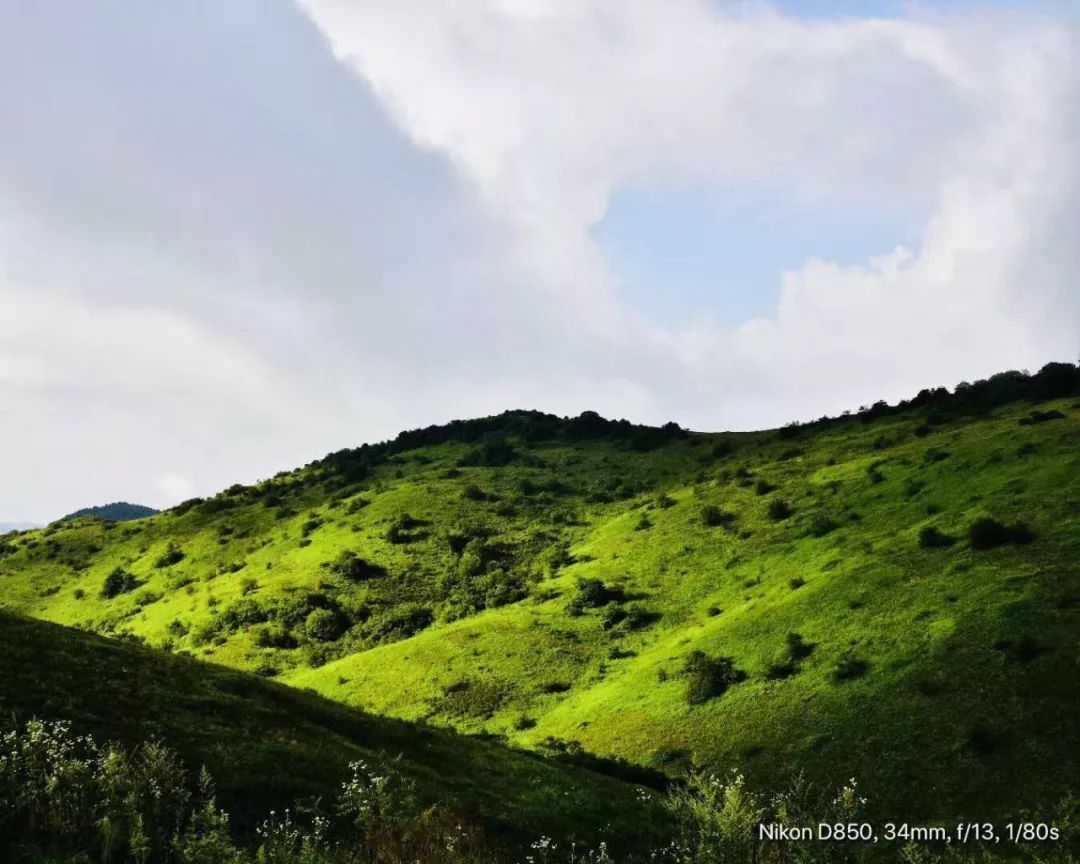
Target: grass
pixel 939 667
pixel 269 746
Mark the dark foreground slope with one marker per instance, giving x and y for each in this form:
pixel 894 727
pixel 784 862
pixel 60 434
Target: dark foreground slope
pixel 269 746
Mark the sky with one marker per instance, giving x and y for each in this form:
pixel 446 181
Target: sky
pixel 237 236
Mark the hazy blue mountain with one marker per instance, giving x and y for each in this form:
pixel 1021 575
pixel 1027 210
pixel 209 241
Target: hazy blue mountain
pixel 119 511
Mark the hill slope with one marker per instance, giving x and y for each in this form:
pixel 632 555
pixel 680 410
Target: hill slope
pixel 897 592
pixel 269 746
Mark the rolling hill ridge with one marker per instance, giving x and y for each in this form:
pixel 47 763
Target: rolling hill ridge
pixel 892 595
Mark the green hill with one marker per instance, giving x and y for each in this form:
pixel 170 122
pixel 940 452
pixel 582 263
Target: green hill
pixel 269 746
pixel 892 595
pixel 118 511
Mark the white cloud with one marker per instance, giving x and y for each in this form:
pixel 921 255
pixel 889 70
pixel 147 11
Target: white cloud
pixel 965 118
pixel 224 252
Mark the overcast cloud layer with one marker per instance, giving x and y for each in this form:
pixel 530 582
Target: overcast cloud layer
pixel 236 236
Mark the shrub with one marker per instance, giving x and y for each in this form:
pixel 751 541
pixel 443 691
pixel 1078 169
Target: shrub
pixel 665 501
pixel 400 622
pixel 714 517
pixel 931 538
pixel 1041 417
pixel 780 669
pixel 797 649
pixel 349 565
pixel 986 533
pixel 493 453
pixel 763 487
pixel 821 525
pixel 723 447
pixel 593 593
pixel 472 492
pixel 849 668
pixel 779 509
pixel 119 581
pixel 171 555
pixel 248 585
pixel 323 625
pixel 472 698
pixel 400 528
pixel 708 677
pixel 638 617
pixel 643 523
pixel 274 636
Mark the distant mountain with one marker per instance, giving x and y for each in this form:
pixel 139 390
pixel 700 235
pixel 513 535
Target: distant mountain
pixel 120 511
pixel 5 527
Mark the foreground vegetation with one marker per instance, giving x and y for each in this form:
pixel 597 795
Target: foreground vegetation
pixel 270 746
pixel 65 797
pixel 891 595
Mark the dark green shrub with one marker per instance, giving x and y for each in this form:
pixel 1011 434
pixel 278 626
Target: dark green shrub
pixel 171 555
pixel 763 487
pixel 1041 417
pixel 323 625
pixel 665 501
pixel 399 622
pixel 931 538
pixel 119 581
pixel 821 525
pixel 348 565
pixel 986 533
pixel 643 523
pixel 402 529
pixel 849 668
pixel 613 615
pixel 638 618
pixel 493 453
pixel 472 492
pixel 797 649
pixel 593 593
pixel 241 614
pixel 723 447
pixel 780 669
pixel 779 509
pixel 708 677
pixel 274 636
pixel 472 698
pixel 714 517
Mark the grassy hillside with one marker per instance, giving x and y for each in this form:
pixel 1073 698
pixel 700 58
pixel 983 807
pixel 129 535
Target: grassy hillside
pixel 269 746
pixel 892 595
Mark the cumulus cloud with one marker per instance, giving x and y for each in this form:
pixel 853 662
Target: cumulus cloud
pixel 236 236
pixel 964 120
